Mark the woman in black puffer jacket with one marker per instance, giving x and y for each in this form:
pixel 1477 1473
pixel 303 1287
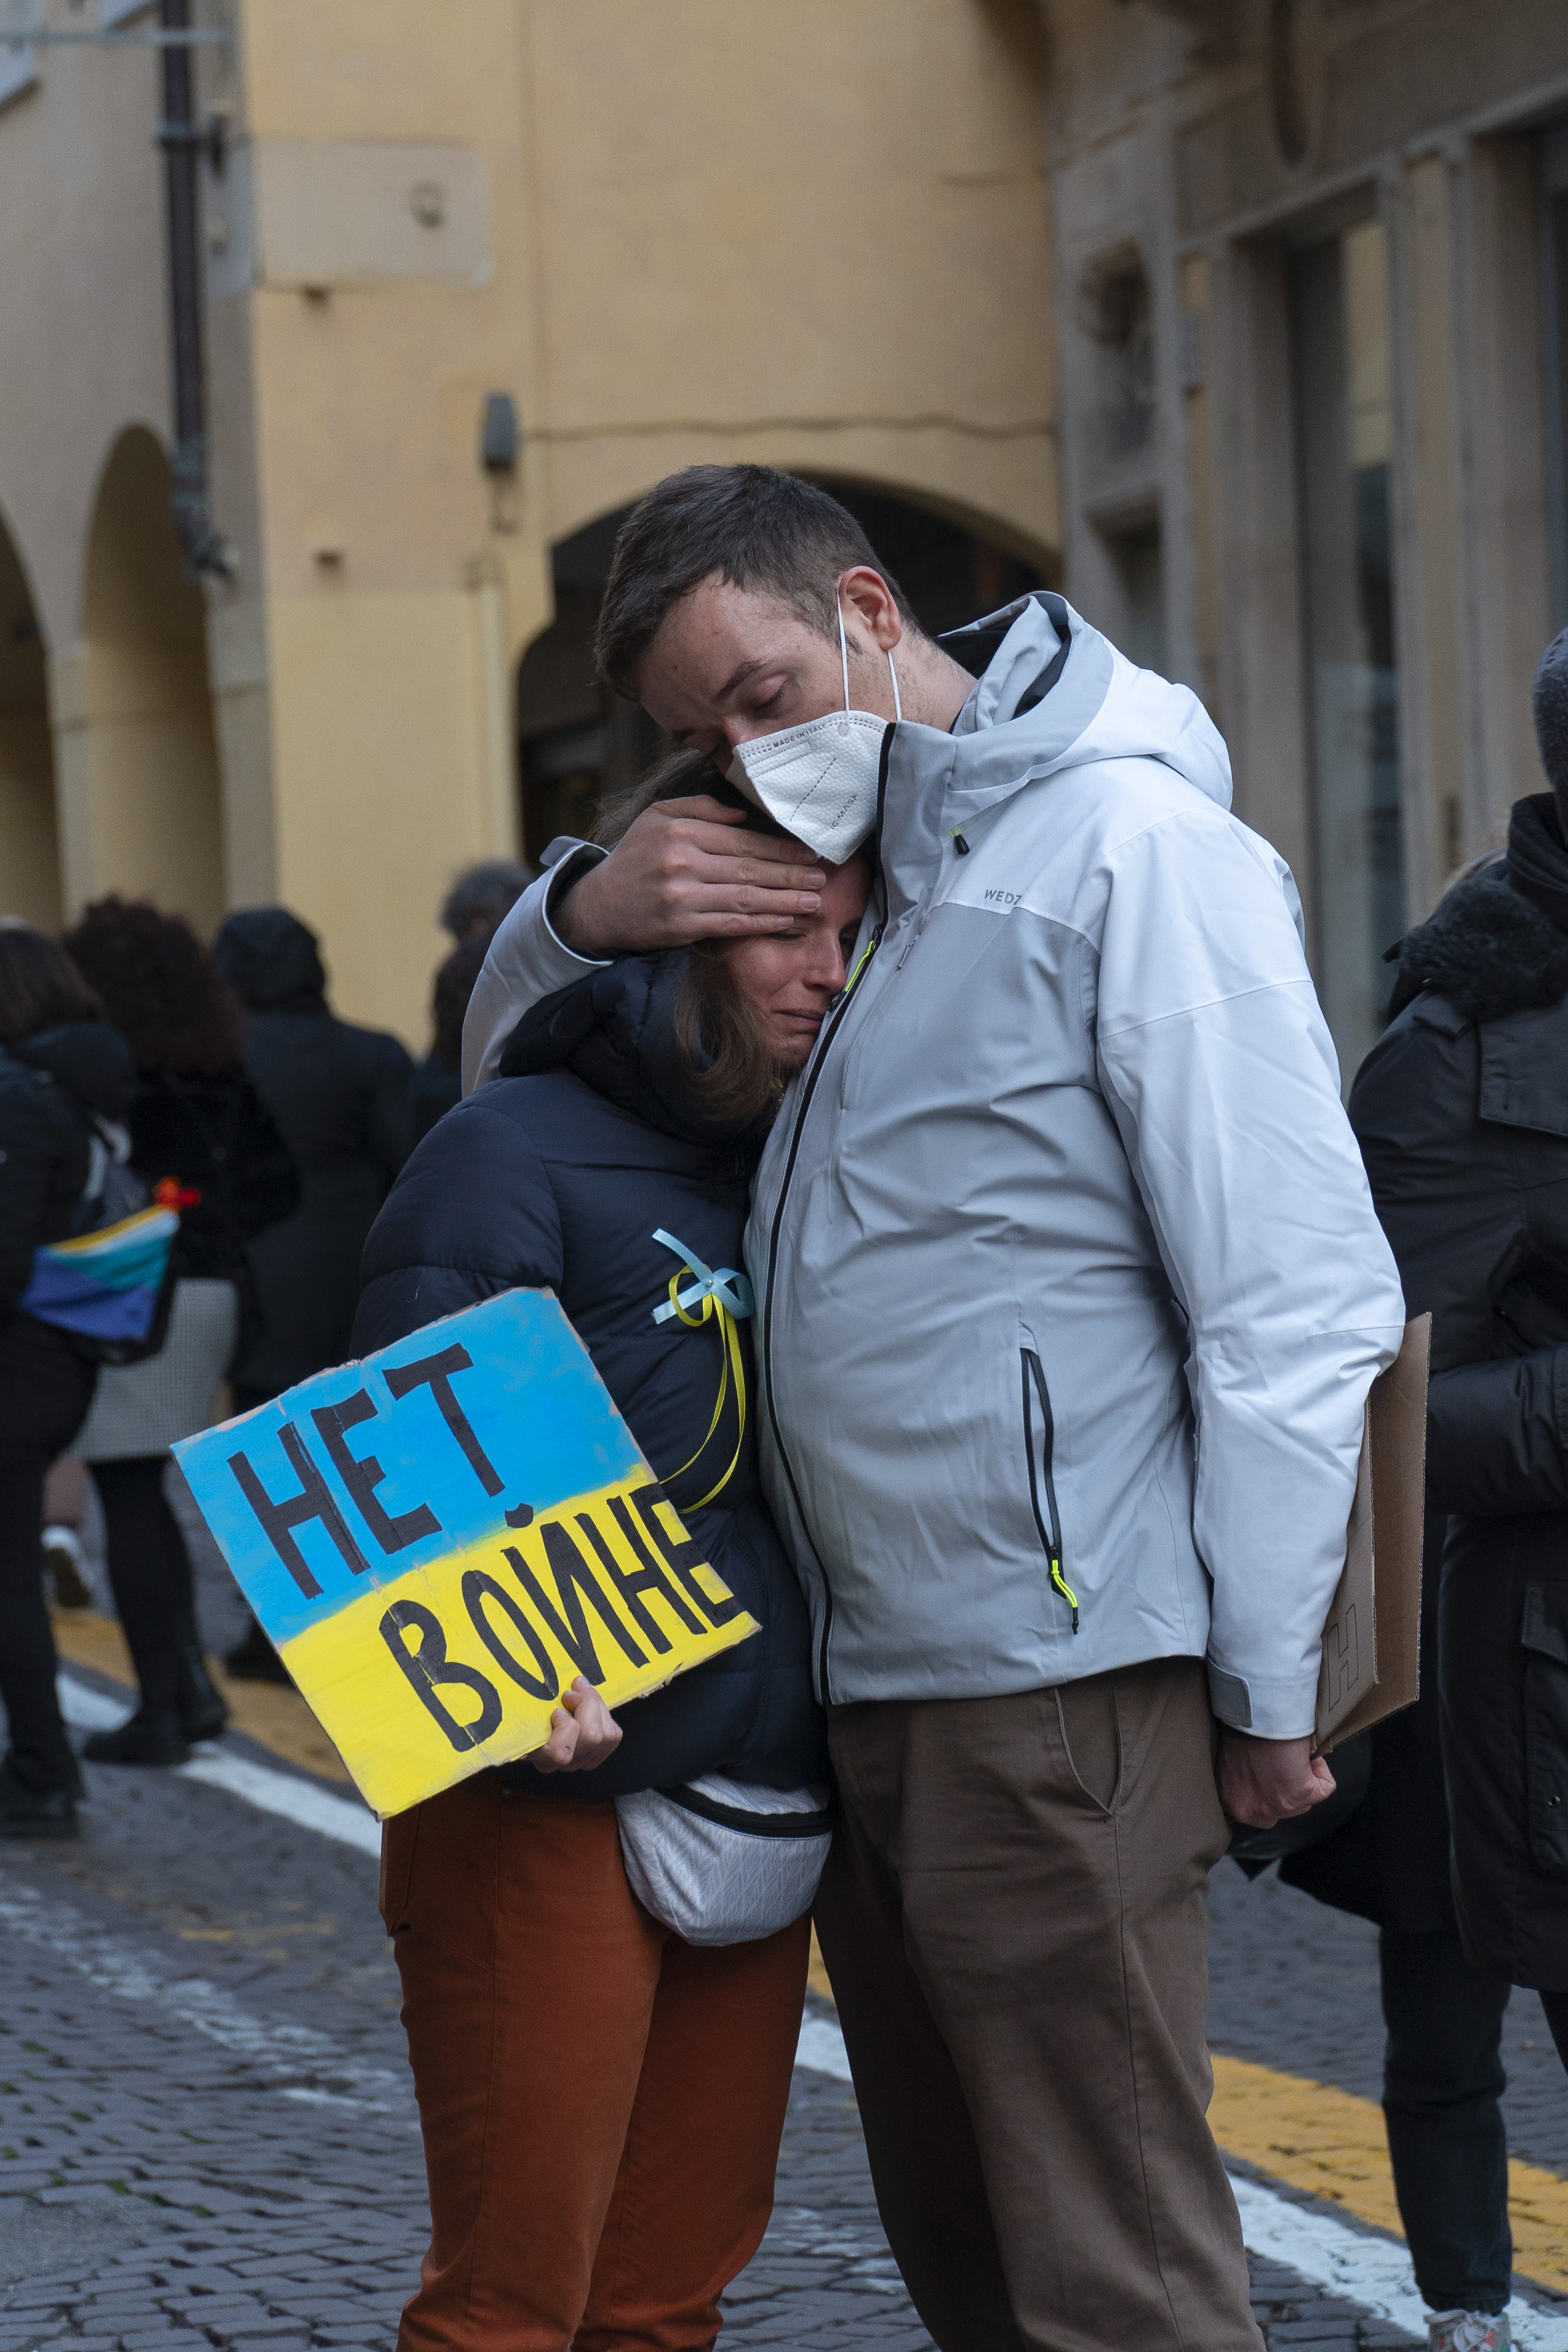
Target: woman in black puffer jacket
pixel 601 2102
pixel 62 1071
pixel 203 1141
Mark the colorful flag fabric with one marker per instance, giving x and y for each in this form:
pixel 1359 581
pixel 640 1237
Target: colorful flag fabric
pixel 104 1285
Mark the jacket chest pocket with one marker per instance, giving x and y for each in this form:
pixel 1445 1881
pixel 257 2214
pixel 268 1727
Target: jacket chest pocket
pixel 1545 1637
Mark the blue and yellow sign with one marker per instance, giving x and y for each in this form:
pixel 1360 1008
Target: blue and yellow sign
pixel 441 1538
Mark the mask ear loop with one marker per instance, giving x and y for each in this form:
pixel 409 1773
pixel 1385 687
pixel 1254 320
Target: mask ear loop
pixel 844 659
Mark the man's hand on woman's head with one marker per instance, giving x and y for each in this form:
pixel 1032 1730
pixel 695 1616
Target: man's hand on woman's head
pixel 1263 1782
pixel 583 1732
pixel 678 874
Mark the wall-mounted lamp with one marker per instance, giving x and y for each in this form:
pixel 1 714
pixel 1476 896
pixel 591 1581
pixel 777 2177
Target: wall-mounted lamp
pixel 499 434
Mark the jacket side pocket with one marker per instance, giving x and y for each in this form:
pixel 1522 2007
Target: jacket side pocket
pixel 1041 1482
pixel 1544 1636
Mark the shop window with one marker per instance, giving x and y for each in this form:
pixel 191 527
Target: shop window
pixel 1339 304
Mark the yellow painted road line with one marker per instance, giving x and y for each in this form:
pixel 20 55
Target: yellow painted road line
pixel 1334 2146
pixel 272 1714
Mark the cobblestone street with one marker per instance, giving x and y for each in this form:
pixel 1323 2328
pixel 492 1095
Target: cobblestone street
pixel 207 2134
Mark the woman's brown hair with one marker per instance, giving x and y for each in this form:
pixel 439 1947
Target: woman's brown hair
pixel 40 987
pixel 158 987
pixel 721 1035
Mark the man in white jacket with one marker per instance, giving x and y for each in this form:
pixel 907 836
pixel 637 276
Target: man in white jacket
pixel 1070 1292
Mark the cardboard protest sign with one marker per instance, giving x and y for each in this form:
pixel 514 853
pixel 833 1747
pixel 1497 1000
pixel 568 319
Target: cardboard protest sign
pixel 441 1537
pixel 1372 1637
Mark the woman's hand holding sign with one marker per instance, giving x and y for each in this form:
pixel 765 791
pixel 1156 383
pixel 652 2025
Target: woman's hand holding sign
pixel 583 1732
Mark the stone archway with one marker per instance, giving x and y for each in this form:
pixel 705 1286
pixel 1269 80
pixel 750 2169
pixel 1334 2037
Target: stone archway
pixel 141 803
pixel 579 741
pixel 29 842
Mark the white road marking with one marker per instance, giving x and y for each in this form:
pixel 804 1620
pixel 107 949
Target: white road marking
pixel 821 2047
pixel 115 1968
pixel 313 1808
pixel 1373 2271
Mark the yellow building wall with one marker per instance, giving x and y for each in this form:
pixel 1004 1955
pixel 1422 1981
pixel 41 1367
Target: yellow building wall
pixel 671 236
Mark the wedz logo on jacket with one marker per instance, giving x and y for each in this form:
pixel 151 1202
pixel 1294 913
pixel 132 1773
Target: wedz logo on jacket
pixel 1070 1287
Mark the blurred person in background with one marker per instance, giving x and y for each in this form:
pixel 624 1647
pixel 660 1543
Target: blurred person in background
pixel 1461 1111
pixel 65 1511
pixel 62 1071
pixel 340 1095
pixel 437 1083
pixel 202 1142
pixel 482 895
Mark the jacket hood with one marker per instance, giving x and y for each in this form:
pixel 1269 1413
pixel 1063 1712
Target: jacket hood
pixel 270 960
pixel 615 1029
pixel 1488 948
pixel 1054 694
pixel 90 1058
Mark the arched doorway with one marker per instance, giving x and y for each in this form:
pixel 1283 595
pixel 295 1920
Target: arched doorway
pixel 29 844
pixel 138 758
pixel 579 743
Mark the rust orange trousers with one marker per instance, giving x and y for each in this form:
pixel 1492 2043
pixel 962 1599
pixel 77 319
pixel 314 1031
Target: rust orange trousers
pixel 601 2103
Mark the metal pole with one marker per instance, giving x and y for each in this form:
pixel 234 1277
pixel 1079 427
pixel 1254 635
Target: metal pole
pixel 205 548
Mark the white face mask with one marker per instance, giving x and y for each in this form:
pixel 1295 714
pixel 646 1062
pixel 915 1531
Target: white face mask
pixel 819 779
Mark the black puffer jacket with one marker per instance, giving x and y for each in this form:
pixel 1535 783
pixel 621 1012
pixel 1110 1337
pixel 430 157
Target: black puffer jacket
pixel 50 1085
pixel 1462 1114
pixel 340 1095
pixel 559 1177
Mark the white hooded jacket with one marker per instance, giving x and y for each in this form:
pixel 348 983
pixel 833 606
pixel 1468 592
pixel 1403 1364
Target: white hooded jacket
pixel 1070 1288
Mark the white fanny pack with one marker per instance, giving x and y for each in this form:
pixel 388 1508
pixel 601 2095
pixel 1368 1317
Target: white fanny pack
pixel 720 1862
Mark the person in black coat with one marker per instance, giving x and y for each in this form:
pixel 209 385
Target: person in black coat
pixel 628 1108
pixel 202 1142
pixel 341 1095
pixel 1461 1850
pixel 62 1072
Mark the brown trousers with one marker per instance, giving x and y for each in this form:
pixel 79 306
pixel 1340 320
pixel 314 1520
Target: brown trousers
pixel 1013 1916
pixel 601 2103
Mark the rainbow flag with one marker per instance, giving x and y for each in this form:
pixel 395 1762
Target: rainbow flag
pixel 104 1285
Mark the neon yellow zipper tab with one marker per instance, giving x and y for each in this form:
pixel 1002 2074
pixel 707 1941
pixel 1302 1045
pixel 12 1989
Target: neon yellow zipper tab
pixel 1065 1589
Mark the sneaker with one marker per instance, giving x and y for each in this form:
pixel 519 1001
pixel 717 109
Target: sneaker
pixel 62 1557
pixel 1467 2331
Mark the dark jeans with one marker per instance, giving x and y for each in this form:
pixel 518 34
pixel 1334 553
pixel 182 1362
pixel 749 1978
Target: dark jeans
pixel 1442 2079
pixel 149 1570
pixel 45 1390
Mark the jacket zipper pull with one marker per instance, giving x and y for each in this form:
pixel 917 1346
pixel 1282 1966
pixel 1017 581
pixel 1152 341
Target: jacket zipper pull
pixel 1064 1587
pixel 958 842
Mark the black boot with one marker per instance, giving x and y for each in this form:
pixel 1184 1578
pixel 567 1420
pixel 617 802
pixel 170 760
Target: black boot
pixel 152 1736
pixel 255 1660
pixel 202 1712
pixel 35 1813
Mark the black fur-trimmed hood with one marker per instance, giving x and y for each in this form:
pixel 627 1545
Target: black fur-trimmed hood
pixel 1487 950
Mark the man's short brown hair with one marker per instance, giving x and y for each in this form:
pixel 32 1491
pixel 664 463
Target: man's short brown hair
pixel 754 527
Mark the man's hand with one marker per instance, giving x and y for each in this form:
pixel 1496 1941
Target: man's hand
pixel 678 875
pixel 1263 1782
pixel 583 1732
